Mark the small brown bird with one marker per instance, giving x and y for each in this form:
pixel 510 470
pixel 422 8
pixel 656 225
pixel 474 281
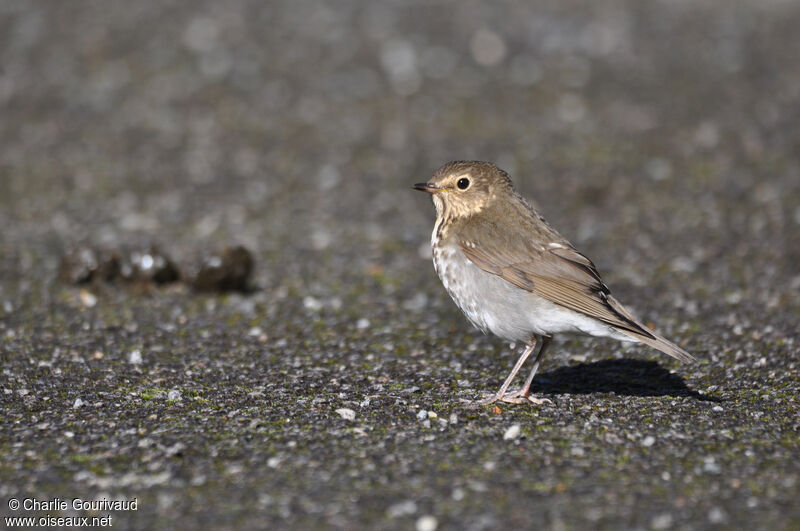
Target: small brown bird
pixel 513 275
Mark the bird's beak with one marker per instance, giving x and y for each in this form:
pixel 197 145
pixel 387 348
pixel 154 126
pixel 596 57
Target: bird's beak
pixel 425 187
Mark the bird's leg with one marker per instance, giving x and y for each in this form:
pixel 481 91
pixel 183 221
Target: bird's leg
pixel 524 392
pixel 501 393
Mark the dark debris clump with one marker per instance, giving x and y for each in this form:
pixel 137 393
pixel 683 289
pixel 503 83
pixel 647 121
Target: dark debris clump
pixel 228 269
pixel 85 265
pixel 225 270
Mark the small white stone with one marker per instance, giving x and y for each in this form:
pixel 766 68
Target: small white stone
pixel 311 303
pixel 512 432
pixel 174 394
pixel 717 408
pixel 88 299
pixel 717 516
pixel 135 357
pixel 422 414
pixel 648 441
pixel 346 413
pixel 403 508
pixel 427 523
pixel 662 521
pixel 78 403
pixel 362 323
pixel 711 466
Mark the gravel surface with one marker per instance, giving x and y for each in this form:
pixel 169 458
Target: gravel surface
pixel 662 138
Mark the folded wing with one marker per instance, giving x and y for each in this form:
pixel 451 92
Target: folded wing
pixel 554 270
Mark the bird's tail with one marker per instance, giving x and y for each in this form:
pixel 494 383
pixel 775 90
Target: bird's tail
pixel 649 337
pixel 665 346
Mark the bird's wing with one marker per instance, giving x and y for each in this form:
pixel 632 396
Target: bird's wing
pixel 547 266
pixel 534 257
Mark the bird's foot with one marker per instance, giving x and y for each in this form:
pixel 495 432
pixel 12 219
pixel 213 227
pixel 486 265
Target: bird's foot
pixel 521 396
pixel 514 397
pixel 524 397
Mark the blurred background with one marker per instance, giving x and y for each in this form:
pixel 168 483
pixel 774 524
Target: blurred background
pixel 298 126
pixel 662 138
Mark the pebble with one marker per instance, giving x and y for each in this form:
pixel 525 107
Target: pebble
pixel 135 357
pixel 717 516
pixel 346 413
pixel 648 441
pixel 427 523
pixel 711 466
pixel 78 403
pixel 311 303
pixel 88 299
pixel 174 394
pixel 661 521
pixel 403 508
pixel 512 432
pixel 228 269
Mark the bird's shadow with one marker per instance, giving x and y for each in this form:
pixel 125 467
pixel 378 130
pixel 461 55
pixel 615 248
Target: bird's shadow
pixel 623 377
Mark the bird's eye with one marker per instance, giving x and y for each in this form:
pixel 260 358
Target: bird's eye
pixel 463 183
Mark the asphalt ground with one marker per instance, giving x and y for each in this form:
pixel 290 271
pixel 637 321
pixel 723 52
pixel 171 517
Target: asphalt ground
pixel 662 138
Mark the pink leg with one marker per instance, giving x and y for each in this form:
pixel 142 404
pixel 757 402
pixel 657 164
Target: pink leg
pixel 503 388
pixel 525 390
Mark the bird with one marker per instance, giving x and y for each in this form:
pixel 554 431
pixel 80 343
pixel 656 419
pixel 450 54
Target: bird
pixel 514 275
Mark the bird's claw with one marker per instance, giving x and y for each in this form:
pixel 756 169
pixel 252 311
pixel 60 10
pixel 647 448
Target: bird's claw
pixel 514 397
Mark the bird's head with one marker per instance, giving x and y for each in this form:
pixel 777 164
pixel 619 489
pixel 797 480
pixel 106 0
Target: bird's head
pixel 465 188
